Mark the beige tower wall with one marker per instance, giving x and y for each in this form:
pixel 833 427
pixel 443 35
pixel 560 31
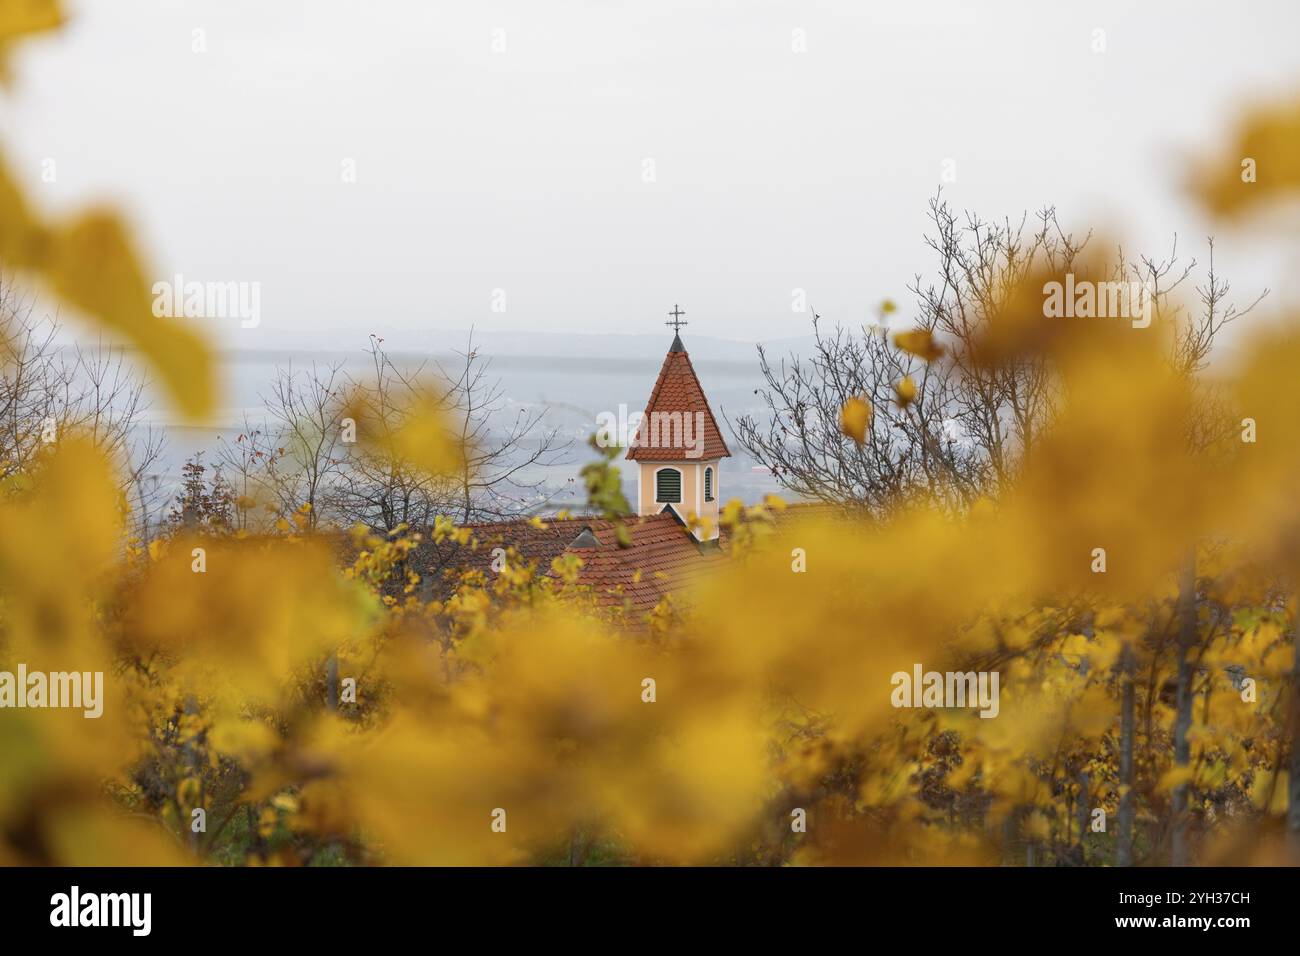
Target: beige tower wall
pixel 692 491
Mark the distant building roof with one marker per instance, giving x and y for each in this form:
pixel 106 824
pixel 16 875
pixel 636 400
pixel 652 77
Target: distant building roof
pixel 663 558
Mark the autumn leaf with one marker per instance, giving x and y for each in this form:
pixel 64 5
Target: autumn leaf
pixel 919 342
pixel 855 416
pixel 1260 165
pixel 22 18
pixel 93 266
pixel 1174 777
pixel 411 429
pixel 22 238
pixel 905 391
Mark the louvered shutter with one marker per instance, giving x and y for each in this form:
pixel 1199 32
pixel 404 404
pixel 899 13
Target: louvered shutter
pixel 668 486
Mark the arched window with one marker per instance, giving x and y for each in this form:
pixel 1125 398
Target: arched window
pixel 668 486
pixel 708 484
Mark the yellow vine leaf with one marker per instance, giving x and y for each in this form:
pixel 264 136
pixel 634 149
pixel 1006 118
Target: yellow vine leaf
pixel 93 266
pixel 919 342
pixel 905 391
pixel 855 416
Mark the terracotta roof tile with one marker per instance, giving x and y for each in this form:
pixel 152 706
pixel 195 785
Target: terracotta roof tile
pixel 677 390
pixel 664 558
pixel 669 560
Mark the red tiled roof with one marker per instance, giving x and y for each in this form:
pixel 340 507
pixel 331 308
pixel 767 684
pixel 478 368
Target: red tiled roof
pixel 664 557
pixel 677 390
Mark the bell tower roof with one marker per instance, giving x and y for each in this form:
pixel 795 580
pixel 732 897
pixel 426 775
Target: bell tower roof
pixel 677 391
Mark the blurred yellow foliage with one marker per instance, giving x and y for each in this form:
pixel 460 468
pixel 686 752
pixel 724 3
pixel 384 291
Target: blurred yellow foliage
pixel 294 684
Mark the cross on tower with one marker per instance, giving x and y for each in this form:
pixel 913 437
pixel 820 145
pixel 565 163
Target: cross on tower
pixel 676 321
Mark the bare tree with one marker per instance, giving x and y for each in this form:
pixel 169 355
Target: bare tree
pixel 292 460
pixel 971 423
pixel 49 390
pixel 377 487
pixel 243 462
pixel 499 451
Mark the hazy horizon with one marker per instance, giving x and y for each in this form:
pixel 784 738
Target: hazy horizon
pixel 499 151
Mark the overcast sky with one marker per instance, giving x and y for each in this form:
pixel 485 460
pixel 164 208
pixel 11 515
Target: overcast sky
pixel 524 169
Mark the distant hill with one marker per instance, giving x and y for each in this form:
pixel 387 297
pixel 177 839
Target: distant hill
pixel 510 343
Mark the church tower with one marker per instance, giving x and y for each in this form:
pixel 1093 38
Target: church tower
pixel 678 446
